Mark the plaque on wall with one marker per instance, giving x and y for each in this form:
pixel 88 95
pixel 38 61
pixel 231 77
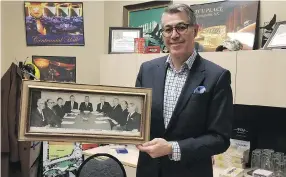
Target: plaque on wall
pixel 122 39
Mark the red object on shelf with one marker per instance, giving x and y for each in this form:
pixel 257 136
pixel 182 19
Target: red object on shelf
pixel 139 45
pixel 152 49
pixel 86 146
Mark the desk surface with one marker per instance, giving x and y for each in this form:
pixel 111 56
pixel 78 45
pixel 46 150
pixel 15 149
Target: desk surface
pixel 129 159
pixel 86 121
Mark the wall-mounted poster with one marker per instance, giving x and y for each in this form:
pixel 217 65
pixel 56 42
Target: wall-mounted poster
pixel 223 20
pixel 61 158
pixel 56 68
pixel 54 23
pixel 147 16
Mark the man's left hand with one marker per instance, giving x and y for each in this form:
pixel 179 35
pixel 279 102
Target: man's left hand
pixel 156 148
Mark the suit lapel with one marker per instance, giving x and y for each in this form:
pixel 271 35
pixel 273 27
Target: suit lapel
pixel 195 78
pixel 39 113
pixel 158 85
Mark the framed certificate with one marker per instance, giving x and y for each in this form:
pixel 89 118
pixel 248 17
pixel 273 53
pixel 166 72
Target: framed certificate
pixel 277 39
pixel 121 39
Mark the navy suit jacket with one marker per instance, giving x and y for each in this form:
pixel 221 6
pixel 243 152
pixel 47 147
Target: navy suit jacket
pixel 83 107
pixel 134 122
pixel 37 119
pixel 68 108
pixel 201 123
pixel 105 108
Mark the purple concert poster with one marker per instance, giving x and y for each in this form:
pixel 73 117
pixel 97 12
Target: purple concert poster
pixel 54 23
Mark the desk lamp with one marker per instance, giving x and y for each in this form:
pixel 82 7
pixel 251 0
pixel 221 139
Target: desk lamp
pixel 101 165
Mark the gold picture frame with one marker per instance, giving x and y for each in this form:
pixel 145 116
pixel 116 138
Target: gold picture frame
pixel 89 121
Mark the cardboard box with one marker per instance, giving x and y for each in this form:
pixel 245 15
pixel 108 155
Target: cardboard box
pixel 139 45
pixel 262 173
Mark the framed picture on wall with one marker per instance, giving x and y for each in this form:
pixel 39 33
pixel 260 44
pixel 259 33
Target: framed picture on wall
pixel 148 16
pixel 224 20
pixel 53 111
pixel 121 39
pixel 54 23
pixel 56 68
pixel 277 39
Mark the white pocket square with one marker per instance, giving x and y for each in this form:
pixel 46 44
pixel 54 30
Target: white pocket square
pixel 200 89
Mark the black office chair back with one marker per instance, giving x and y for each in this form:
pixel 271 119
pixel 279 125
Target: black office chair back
pixel 101 165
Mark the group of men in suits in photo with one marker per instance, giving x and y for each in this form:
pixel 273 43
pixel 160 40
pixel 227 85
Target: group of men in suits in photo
pixel 73 105
pixel 123 116
pixel 70 105
pixel 48 113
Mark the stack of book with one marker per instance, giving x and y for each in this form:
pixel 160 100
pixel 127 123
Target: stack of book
pixel 237 155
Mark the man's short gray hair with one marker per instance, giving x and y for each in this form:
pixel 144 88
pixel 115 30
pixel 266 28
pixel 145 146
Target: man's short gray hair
pixel 134 105
pixel 176 8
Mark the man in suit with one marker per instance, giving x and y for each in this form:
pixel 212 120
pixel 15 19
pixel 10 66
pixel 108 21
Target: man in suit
pixel 115 113
pixel 50 113
pixel 192 104
pixel 124 106
pixel 38 117
pixel 103 106
pixel 133 120
pixel 116 110
pixel 69 105
pixel 86 105
pixel 59 109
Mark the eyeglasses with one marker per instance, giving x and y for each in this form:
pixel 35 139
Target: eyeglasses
pixel 180 28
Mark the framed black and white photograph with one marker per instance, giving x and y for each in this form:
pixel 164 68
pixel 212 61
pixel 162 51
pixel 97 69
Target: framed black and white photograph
pixel 53 111
pixel 277 39
pixel 121 39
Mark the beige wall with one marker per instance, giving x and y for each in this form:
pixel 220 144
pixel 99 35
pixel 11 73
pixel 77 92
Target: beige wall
pixel 113 17
pixel 241 64
pixel 98 17
pixel 13 40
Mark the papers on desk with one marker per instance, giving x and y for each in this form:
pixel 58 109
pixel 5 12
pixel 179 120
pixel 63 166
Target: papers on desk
pixel 75 110
pixel 129 159
pixel 67 122
pixel 97 113
pixel 70 116
pixel 100 122
pixel 103 118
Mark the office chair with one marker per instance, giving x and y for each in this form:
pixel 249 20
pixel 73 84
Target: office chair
pixel 101 165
